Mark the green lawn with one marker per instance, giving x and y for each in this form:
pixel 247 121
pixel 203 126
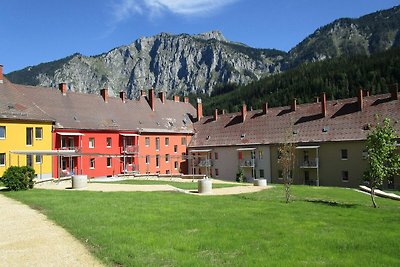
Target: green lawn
pixel 322 227
pixel 181 185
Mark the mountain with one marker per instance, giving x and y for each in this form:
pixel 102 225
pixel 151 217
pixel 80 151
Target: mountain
pixel 366 35
pixel 200 63
pixel 172 63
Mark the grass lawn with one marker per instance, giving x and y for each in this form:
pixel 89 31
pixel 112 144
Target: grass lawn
pixel 181 185
pixel 322 227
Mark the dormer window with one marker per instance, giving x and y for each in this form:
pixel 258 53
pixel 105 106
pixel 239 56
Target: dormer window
pixel 243 135
pixel 208 137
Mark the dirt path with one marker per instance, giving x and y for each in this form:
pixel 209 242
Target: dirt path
pixel 28 238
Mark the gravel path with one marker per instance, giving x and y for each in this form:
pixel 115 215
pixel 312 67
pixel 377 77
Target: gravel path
pixel 28 238
pixel 111 187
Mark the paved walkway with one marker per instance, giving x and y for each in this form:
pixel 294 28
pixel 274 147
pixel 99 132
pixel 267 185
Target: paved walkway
pixel 28 238
pixel 110 187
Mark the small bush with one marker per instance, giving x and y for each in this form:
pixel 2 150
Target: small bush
pixel 240 178
pixel 18 178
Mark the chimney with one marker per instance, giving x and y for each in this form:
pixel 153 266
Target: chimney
pixel 317 99
pixel 104 94
pixel 368 93
pixel 323 104
pixel 151 98
pixel 223 112
pixel 360 100
pixel 393 91
pixel 161 95
pixel 199 109
pixel 1 73
pixel 63 88
pixel 122 95
pixel 244 112
pixel 142 92
pixel 294 104
pixel 186 99
pixel 216 114
pixel 176 98
pixel 265 108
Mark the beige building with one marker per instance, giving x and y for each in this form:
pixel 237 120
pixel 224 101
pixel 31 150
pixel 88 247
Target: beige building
pixel 330 139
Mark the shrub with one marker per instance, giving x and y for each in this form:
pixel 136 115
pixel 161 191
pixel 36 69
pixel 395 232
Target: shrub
pixel 18 178
pixel 240 178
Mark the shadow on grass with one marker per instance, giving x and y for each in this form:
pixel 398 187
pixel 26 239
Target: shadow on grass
pixel 331 203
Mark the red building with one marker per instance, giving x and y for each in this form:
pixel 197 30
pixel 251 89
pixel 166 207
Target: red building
pixel 106 136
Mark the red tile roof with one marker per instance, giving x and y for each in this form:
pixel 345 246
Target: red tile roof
pixel 90 112
pixel 343 122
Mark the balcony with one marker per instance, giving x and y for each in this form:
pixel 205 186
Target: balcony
pixel 309 164
pixel 250 163
pixel 130 149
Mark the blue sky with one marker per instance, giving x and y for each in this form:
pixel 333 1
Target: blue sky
pixel 33 32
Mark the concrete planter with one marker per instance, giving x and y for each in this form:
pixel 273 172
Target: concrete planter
pixel 204 186
pixel 79 181
pixel 260 182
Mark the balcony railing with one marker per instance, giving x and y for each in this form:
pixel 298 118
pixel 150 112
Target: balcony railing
pixel 76 148
pixel 248 163
pixel 130 149
pixel 311 163
pixel 203 163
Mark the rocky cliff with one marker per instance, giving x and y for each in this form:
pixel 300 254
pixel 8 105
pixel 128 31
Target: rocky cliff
pixel 172 63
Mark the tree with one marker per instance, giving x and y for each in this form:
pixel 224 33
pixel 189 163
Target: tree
pixel 287 155
pixel 383 159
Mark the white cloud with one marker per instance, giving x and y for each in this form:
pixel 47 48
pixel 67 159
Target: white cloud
pixel 123 9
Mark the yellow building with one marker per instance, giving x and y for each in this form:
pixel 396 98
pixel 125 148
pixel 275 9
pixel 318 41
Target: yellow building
pixel 19 135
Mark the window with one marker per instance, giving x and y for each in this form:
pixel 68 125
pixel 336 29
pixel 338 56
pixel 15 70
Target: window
pixel 166 157
pixel 216 155
pixel 183 156
pixel 2 132
pixel 305 156
pixel 38 132
pixel 128 141
pixel 29 160
pixel 109 162
pixel 261 173
pixel 147 141
pixel 183 141
pixel 2 159
pixel 280 174
pixel 29 135
pixel 147 159
pixel 91 142
pixel 344 154
pixel 345 176
pixel 108 141
pixel 157 161
pixel 166 141
pixel 38 159
pixel 176 165
pixel 129 160
pixel 175 148
pixel 157 143
pixel 167 172
pixel 240 155
pixel 260 154
pixel 216 172
pixel 92 165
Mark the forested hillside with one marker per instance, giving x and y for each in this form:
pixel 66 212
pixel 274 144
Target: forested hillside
pixel 338 77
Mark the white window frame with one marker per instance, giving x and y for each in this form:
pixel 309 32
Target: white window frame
pixel 108 138
pixel 38 157
pixel 92 144
pixel 41 133
pixel 4 159
pixel 109 160
pixel 5 132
